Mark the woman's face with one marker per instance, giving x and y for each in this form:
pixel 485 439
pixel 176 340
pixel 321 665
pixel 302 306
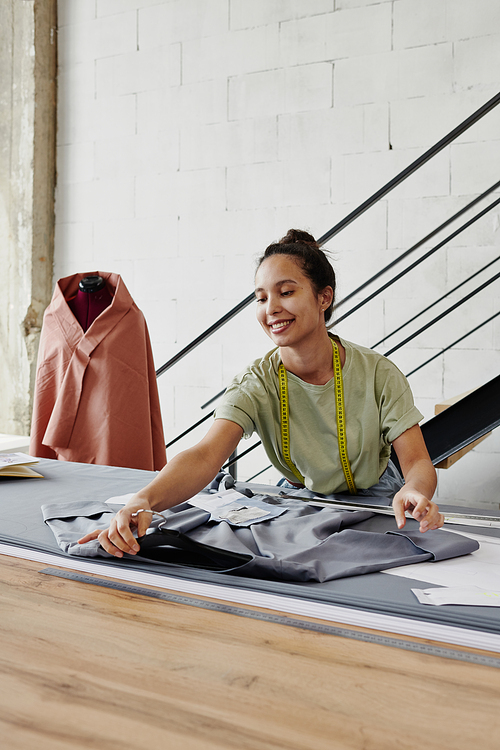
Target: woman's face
pixel 288 308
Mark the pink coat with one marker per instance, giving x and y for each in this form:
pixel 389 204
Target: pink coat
pixel 96 399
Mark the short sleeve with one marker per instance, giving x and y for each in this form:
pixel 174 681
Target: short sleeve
pixel 238 407
pixel 397 409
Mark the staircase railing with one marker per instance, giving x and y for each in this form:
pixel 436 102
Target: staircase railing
pixel 420 260
pixel 397 180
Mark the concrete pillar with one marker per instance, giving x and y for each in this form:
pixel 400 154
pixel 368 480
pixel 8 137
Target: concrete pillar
pixel 27 180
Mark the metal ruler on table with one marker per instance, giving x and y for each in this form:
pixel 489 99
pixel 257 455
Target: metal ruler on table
pixel 278 619
pixel 463 519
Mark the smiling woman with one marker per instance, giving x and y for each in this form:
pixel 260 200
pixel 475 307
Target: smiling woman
pixel 327 411
pixel 295 289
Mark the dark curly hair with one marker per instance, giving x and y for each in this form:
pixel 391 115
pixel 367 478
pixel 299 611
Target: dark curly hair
pixel 306 252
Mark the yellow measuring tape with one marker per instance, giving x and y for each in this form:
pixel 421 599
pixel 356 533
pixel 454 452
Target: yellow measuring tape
pixel 339 403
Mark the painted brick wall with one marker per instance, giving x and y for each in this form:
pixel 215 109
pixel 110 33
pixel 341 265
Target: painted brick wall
pixel 192 133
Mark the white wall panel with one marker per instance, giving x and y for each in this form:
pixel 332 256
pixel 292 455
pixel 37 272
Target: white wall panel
pixel 246 14
pixel 420 23
pixel 360 31
pixel 477 61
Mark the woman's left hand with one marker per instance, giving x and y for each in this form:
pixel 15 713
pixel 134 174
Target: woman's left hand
pixel 420 482
pixel 421 508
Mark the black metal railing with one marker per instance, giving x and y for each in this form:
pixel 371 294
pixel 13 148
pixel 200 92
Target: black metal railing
pixel 441 316
pixel 436 302
pixel 397 180
pixel 418 244
pixel 417 262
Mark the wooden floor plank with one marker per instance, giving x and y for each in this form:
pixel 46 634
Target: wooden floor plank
pixel 87 667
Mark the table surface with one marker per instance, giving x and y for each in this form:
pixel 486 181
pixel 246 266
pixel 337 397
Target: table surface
pixel 87 667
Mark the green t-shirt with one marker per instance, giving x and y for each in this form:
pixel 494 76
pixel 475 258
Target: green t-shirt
pixel 379 407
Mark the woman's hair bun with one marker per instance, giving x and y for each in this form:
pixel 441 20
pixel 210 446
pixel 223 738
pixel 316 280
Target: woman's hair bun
pixel 298 235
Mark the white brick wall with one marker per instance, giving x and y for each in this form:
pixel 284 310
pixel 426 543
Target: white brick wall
pixel 246 14
pixel 465 177
pixel 419 23
pixel 191 133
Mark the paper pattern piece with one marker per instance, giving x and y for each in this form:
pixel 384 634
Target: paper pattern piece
pixel 473 596
pixel 480 569
pixel 239 514
pixel 213 502
pixel 235 508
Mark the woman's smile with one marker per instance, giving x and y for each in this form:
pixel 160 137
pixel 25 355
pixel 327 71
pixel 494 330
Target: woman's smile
pixel 288 308
pixel 280 325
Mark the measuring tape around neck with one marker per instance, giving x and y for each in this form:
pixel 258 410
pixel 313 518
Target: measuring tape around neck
pixel 339 404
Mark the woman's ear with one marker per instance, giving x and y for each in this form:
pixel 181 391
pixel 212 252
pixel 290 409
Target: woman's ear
pixel 326 297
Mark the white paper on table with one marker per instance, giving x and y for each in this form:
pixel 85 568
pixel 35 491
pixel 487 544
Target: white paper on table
pixel 242 514
pixel 469 595
pixel 480 568
pixel 235 508
pixel 120 499
pixel 203 501
pixel 217 500
pixel 17 459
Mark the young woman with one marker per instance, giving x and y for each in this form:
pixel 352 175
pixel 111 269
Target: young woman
pixel 295 291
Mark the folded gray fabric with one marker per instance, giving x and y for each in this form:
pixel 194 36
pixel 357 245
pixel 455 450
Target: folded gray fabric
pixel 71 521
pixel 306 543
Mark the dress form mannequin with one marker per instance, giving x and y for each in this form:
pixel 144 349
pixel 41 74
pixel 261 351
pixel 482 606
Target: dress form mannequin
pixel 95 398
pixel 91 299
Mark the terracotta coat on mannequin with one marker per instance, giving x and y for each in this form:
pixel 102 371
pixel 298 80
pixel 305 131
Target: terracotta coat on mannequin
pixel 96 399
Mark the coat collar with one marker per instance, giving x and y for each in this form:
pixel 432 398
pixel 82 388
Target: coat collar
pixel 67 287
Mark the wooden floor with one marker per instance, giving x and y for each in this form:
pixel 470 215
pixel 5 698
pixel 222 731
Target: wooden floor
pixel 86 667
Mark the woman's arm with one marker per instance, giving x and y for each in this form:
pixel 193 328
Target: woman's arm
pixel 184 476
pixel 420 482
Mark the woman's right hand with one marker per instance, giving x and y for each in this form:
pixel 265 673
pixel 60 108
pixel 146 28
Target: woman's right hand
pixel 179 480
pixel 119 537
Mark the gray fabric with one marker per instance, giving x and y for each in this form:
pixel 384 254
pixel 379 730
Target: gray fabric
pixel 307 543
pixel 68 524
